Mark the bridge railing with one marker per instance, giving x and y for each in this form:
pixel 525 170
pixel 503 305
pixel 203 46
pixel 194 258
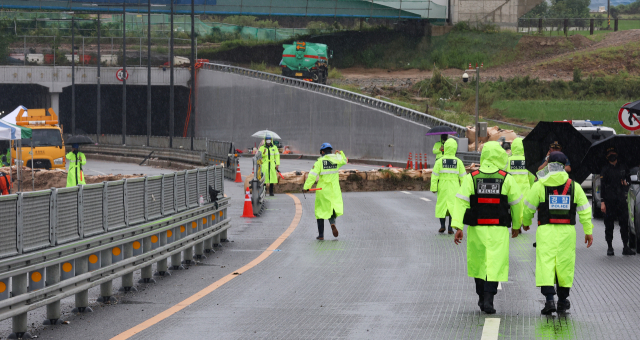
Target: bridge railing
pixel 394 109
pixel 60 242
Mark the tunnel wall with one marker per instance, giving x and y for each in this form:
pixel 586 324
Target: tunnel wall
pixel 232 107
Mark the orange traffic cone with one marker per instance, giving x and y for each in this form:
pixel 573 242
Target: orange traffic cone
pixel 238 175
pixel 409 162
pixel 248 207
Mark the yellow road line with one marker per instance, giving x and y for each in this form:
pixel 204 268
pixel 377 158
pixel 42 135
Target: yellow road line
pixel 197 296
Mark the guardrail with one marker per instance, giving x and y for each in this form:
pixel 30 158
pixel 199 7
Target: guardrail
pixel 61 242
pixel 258 189
pixel 397 110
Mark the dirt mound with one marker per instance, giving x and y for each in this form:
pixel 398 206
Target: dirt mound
pixel 47 179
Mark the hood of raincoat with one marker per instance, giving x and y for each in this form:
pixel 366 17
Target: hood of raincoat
pixel 517 149
pixel 450 147
pixel 553 178
pixel 493 158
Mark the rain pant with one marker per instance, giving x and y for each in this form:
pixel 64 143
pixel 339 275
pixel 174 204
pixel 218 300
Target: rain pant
pixel 270 158
pixel 523 177
pixel 556 243
pixel 488 246
pixel 329 199
pixel 436 150
pixel 75 176
pixel 445 179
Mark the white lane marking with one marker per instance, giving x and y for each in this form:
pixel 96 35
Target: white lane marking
pixel 499 285
pixel 425 199
pixel 405 192
pixel 490 329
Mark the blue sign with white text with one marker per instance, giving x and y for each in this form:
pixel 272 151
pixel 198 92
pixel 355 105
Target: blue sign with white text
pixel 559 202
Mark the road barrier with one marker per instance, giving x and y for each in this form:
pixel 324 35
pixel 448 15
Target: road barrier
pixel 397 110
pixel 258 188
pixel 61 242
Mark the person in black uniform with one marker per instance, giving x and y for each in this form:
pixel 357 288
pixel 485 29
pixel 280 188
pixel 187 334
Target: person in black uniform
pixel 614 180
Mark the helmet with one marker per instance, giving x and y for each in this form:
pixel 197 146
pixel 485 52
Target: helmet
pixel 325 146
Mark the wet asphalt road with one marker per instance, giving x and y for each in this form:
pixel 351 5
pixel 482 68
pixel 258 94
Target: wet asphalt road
pixel 388 275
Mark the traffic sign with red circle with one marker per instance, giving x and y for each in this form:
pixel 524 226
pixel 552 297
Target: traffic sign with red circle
pixel 122 75
pixel 628 120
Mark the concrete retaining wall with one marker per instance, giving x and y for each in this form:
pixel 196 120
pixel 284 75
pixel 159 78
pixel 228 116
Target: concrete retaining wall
pixel 232 107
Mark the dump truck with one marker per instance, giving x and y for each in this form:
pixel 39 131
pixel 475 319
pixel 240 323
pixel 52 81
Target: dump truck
pixel 48 145
pixel 306 61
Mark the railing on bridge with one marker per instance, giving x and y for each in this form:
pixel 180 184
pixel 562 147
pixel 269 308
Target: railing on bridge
pixel 61 242
pixel 397 110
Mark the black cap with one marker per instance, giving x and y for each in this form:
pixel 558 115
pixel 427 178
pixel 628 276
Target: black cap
pixel 555 144
pixel 557 157
pixel 611 149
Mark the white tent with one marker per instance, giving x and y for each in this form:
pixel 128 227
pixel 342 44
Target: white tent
pixel 11 117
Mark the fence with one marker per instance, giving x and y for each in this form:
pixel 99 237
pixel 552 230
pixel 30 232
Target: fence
pixel 61 242
pixel 223 153
pixel 571 26
pixel 403 112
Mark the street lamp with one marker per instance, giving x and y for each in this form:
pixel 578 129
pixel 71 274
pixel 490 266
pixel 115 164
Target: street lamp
pixel 465 78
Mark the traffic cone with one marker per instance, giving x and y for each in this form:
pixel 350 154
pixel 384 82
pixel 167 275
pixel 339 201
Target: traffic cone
pixel 248 207
pixel 409 162
pixel 420 167
pixel 238 175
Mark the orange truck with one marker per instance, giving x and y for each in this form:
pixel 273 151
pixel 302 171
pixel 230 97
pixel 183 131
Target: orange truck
pixel 48 145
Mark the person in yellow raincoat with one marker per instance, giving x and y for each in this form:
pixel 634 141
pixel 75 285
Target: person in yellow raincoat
pixel 517 168
pixel 557 200
pixel 488 203
pixel 270 162
pixel 445 182
pixel 76 159
pixel 438 147
pixel 328 203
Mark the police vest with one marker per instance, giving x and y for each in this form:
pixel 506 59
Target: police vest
pixel 488 206
pixel 558 207
pixel 517 165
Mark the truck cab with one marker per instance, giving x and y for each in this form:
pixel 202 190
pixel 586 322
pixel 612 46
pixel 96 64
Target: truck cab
pixel 48 145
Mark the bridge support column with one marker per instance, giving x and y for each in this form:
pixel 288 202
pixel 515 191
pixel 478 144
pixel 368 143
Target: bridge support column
pixel 146 272
pixel 82 298
pixel 54 101
pixel 53 309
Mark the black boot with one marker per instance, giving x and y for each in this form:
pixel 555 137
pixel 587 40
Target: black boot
pixel 627 251
pixel 481 303
pixel 442 224
pixel 563 306
pixel 610 249
pixel 549 307
pixel 271 189
pixel 488 303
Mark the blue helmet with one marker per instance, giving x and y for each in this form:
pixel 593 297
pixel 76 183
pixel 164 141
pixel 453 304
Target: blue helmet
pixel 325 146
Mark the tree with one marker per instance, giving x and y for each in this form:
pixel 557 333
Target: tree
pixel 569 9
pixel 540 11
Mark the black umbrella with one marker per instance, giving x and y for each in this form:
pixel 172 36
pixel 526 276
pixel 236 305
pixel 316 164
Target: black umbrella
pixel 440 130
pixel 574 145
pixel 78 139
pixel 627 147
pixel 634 109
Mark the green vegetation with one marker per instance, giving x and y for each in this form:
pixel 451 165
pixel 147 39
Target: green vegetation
pixel 334 73
pixel 632 8
pixel 560 9
pixel 533 111
pixel 604 60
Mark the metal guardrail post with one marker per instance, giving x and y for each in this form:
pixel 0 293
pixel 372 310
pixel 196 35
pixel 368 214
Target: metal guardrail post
pixel 187 254
pixel 106 289
pixel 161 267
pixel 53 309
pixel 19 322
pixel 146 273
pixel 127 279
pixel 176 259
pixel 82 298
pixel 199 247
pixel 223 234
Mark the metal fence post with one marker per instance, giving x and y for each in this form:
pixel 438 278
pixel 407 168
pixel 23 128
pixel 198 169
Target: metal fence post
pixel 161 267
pixel 199 247
pixel 591 25
pixel 615 25
pixel 566 27
pixel 53 309
pixel 187 254
pixel 107 287
pixel 127 279
pixel 176 259
pixel 82 298
pixel 19 327
pixel 146 272
pixel 53 216
pixel 540 26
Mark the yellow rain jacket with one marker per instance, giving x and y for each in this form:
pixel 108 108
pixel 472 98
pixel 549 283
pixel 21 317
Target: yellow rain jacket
pixel 488 246
pixel 329 199
pixel 75 176
pixel 516 168
pixel 270 158
pixel 445 178
pixel 436 150
pixel 556 243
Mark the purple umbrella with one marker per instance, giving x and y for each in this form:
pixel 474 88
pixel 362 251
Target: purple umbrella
pixel 440 130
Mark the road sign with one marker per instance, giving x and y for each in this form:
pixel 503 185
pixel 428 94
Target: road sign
pixel 122 74
pixel 628 120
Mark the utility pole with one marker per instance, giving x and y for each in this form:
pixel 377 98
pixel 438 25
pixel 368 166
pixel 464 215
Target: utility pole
pixel 192 118
pixel 124 74
pixel 98 130
pixel 73 79
pixel 149 73
pixel 171 93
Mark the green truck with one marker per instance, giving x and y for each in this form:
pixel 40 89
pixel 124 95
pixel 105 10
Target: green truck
pixel 307 61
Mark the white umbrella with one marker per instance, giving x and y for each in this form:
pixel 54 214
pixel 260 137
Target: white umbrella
pixel 262 134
